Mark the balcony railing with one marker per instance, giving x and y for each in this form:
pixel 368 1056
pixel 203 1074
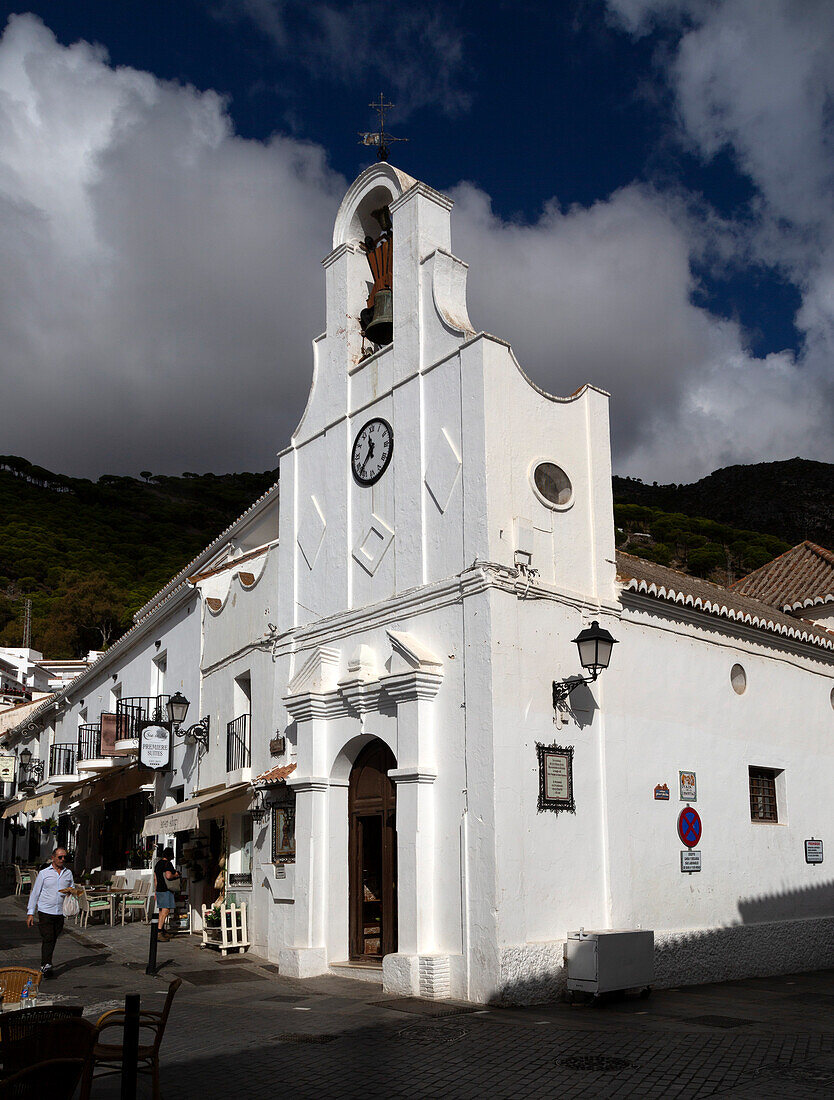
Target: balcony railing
pixel 237 744
pixel 139 708
pixel 89 742
pixel 62 760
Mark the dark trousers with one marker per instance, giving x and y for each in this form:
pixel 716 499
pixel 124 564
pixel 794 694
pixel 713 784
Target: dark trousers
pixel 50 928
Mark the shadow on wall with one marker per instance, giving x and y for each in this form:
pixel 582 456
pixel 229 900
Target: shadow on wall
pixel 805 901
pixel 780 933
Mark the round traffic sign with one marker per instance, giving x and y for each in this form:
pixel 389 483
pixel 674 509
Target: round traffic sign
pixel 689 826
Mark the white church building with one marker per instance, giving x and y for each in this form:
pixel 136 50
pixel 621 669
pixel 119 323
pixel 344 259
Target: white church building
pixel 390 624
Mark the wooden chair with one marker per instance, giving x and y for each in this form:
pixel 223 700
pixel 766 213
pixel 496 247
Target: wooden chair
pixel 108 1057
pixel 21 879
pixel 31 1038
pixel 14 978
pixel 56 1079
pixel 91 904
pixel 140 899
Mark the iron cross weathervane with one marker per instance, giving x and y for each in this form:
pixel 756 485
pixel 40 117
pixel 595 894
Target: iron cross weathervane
pixel 379 138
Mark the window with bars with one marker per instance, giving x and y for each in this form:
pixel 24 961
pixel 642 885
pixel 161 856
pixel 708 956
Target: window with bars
pixel 763 794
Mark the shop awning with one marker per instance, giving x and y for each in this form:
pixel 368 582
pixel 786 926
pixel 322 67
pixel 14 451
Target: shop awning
pixel 185 816
pixel 27 805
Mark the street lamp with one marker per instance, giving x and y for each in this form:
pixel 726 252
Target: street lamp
pixel 595 645
pixel 198 734
pixel 32 768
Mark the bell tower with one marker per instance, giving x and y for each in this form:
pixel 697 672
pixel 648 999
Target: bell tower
pixel 396 303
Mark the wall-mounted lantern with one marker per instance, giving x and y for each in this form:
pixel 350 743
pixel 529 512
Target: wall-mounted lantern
pixel 595 645
pixel 31 771
pixel 198 734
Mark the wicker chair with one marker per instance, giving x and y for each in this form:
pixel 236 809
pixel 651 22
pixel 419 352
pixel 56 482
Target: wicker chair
pixel 108 1057
pixel 56 1079
pixel 14 978
pixel 46 1032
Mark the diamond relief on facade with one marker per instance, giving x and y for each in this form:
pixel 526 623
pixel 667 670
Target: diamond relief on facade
pixel 311 528
pixel 370 549
pixel 442 470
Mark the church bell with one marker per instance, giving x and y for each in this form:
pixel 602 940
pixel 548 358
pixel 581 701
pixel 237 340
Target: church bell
pixel 380 328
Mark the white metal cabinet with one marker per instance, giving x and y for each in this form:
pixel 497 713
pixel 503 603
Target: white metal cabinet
pixel 604 961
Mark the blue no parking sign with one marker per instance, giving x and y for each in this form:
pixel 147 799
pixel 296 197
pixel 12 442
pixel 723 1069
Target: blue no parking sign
pixel 689 826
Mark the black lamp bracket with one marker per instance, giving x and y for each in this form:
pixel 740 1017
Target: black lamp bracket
pixel 562 688
pixel 197 734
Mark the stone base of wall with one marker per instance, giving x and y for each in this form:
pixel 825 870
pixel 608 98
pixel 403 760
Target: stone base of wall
pixel 302 962
pixel 417 976
pixel 743 951
pixel 535 973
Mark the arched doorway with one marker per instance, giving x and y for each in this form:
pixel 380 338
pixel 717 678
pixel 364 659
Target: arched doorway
pixel 372 855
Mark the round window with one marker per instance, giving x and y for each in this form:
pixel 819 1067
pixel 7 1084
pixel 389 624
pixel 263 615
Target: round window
pixel 553 484
pixel 738 678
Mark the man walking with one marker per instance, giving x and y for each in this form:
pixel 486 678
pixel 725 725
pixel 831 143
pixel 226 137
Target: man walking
pixel 47 899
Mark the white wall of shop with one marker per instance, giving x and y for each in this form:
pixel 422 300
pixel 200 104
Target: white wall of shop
pixel 135 670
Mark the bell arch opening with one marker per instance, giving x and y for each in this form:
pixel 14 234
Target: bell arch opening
pixel 372 855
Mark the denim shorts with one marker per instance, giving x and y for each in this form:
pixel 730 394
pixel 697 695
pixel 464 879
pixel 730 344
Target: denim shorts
pixel 165 899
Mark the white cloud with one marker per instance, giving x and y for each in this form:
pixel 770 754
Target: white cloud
pixel 755 78
pixel 160 285
pixel 160 281
pixel 604 294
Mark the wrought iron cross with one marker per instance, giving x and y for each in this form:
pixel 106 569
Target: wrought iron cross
pixel 379 138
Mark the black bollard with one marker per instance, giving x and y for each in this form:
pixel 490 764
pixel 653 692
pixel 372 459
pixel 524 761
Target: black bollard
pixel 151 967
pixel 130 1046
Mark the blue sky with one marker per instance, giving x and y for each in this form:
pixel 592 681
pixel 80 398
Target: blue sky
pixel 642 191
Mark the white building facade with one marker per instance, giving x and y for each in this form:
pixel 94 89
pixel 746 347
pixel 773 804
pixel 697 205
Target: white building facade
pixel 375 648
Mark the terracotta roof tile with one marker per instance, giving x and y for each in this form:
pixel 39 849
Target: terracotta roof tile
pixel 276 774
pixel 801 577
pixel 646 577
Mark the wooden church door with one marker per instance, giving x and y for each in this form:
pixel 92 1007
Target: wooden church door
pixel 373 855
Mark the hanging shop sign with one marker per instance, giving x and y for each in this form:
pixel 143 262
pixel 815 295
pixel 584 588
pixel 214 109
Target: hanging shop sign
pixel 813 851
pixel 555 778
pixel 689 787
pixel 7 764
pixel 690 862
pixel 661 792
pixel 689 826
pixel 154 745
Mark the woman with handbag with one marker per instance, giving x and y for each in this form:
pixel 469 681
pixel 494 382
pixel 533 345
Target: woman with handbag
pixel 167 881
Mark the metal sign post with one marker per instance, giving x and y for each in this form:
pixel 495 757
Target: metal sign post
pixel 151 967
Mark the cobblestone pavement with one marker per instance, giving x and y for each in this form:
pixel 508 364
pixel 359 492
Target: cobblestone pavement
pixel 237 1027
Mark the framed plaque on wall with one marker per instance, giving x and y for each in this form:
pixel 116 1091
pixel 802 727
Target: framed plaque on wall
pixel 555 778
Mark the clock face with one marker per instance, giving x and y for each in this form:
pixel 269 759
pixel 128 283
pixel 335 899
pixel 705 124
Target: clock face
pixel 372 450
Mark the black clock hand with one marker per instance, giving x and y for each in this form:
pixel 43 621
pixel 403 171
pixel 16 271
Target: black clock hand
pixel 367 456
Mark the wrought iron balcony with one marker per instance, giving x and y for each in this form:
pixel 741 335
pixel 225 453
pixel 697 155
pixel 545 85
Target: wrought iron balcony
pixel 139 708
pixel 237 744
pixel 62 760
pixel 89 742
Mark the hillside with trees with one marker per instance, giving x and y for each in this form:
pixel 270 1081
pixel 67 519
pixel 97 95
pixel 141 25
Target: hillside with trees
pixel 89 554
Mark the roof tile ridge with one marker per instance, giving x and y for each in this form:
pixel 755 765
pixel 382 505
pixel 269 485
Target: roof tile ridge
pixel 821 551
pixel 677 572
pixel 768 565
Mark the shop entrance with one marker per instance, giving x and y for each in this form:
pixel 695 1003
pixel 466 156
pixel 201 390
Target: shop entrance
pixel 372 855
